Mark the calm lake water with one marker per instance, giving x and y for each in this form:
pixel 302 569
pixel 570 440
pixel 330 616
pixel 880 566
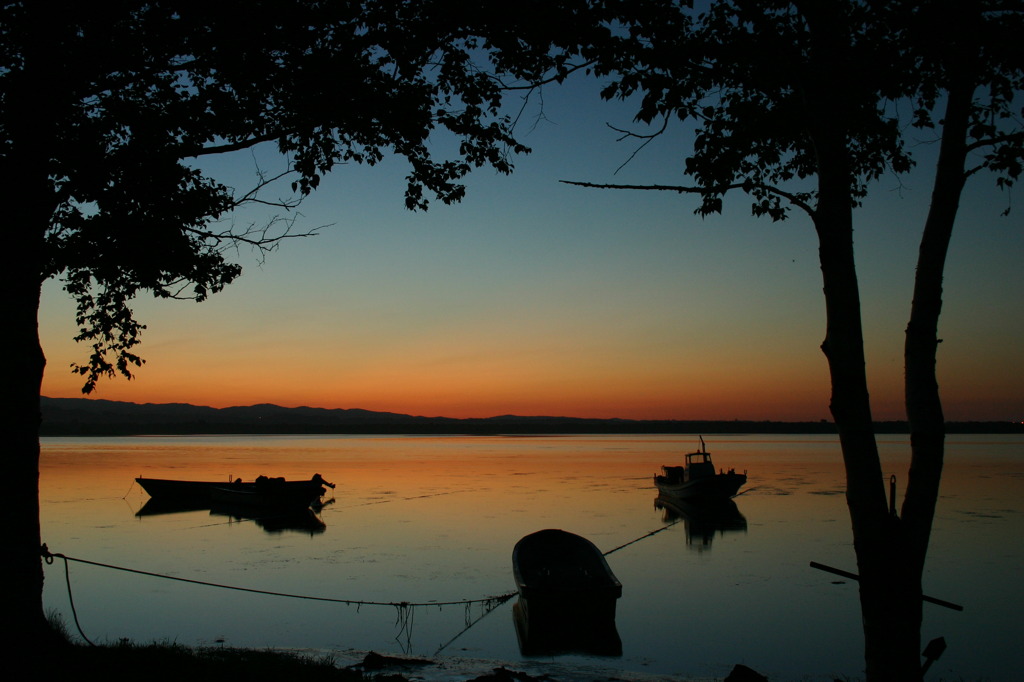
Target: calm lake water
pixel 434 519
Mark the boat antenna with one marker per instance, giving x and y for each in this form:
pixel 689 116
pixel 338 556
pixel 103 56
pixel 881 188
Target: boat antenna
pixel 702 448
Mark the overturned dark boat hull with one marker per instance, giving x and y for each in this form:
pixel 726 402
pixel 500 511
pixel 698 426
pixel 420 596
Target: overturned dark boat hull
pixel 567 596
pixel 538 636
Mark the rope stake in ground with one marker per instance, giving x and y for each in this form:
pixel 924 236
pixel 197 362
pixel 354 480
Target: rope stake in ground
pixel 45 552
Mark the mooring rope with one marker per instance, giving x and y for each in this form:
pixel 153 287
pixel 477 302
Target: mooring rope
pixel 71 599
pixel 386 500
pixel 48 556
pixel 470 621
pixel 403 608
pixel 501 598
pixel 642 537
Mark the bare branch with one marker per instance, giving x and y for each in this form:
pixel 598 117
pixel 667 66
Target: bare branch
pixel 747 187
pixel 251 197
pixel 647 139
pixel 556 78
pixel 522 110
pixel 264 238
pixel 974 169
pixel 671 188
pixel 233 147
pixel 998 139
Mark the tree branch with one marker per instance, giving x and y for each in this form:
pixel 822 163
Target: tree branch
pixel 647 139
pixel 233 147
pixel 721 189
pixel 999 139
pixel 259 238
pixel 250 197
pixel 556 78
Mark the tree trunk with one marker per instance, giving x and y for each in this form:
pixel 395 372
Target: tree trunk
pixel 889 608
pixel 30 112
pixel 889 589
pixel 891 551
pixel 924 407
pixel 21 429
pixel 21 418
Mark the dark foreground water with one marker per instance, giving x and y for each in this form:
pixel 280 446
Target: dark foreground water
pixel 432 520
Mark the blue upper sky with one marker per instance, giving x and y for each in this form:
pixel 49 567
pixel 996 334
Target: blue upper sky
pixel 537 297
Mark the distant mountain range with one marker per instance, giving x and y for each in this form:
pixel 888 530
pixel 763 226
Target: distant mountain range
pixel 88 417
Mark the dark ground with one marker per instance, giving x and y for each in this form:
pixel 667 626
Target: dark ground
pixel 175 663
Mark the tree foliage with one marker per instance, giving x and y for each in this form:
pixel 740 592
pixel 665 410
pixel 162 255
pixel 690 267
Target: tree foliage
pixel 108 107
pixel 133 93
pixel 806 104
pixel 748 76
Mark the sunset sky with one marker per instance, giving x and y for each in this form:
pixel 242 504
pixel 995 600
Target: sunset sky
pixel 535 297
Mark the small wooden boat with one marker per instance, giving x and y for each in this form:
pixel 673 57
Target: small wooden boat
pixel 697 478
pixel 540 638
pixel 269 493
pixel 567 596
pixel 560 566
pixel 202 491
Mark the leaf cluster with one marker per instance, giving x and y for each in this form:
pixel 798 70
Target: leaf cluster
pixel 106 106
pixel 974 45
pixel 765 82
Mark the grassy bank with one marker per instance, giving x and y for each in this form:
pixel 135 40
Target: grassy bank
pixel 178 663
pixel 158 662
pixel 172 662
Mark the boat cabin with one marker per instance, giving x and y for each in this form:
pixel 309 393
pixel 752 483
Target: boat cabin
pixel 698 465
pixel 697 478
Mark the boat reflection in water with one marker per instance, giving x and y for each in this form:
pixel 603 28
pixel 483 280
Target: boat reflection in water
pixel 702 519
pixel 273 504
pixel 271 520
pixel 567 596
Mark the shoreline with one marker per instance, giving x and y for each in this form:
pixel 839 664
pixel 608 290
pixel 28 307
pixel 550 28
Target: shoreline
pixel 88 417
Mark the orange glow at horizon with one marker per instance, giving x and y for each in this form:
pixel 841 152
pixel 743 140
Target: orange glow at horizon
pixel 694 393
pixel 643 388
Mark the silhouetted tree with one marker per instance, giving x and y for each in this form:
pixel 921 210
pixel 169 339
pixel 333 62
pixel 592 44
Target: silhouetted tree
pixel 798 105
pixel 104 108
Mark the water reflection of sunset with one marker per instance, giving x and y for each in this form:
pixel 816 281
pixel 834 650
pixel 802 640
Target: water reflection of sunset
pixel 422 519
